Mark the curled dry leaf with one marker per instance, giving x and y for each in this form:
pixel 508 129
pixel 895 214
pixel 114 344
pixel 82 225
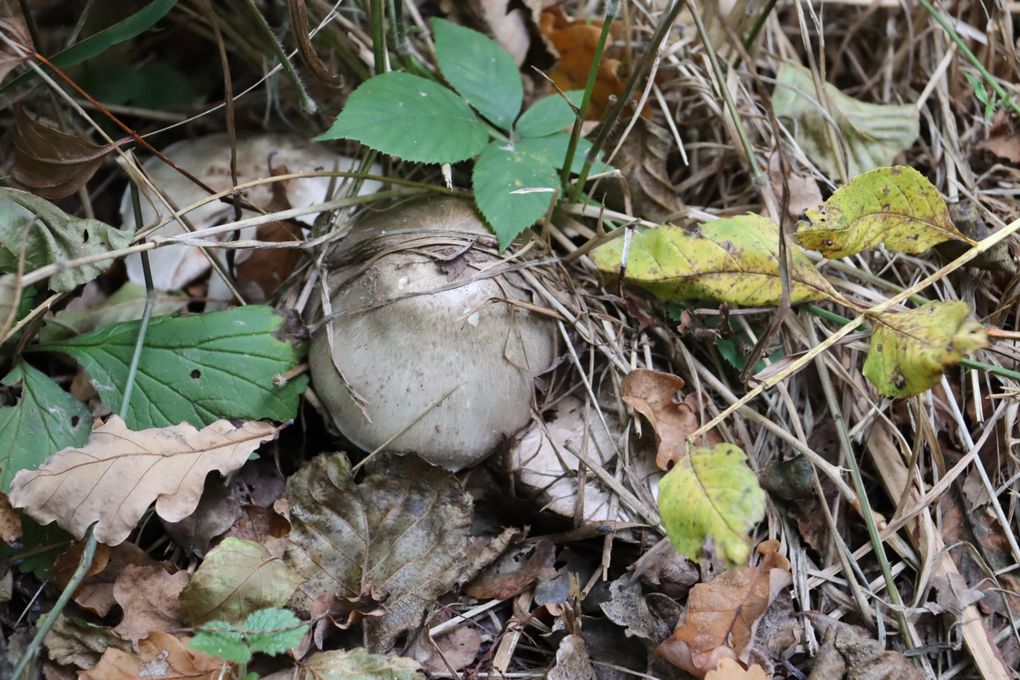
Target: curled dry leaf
pixel 733 260
pixel 160 655
pixel 572 661
pixel 910 350
pixel 148 596
pixel 896 206
pixel 96 592
pixel 651 393
pixel 722 614
pixel 50 162
pixel 118 474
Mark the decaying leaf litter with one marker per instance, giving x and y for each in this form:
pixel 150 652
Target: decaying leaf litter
pixel 740 405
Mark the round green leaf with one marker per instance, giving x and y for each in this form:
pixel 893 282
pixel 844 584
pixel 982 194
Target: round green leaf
pixel 548 115
pixel 512 189
pixel 480 70
pixel 410 117
pixel 711 493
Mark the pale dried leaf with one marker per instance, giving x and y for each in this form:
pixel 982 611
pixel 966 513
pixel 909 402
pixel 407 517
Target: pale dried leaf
pixel 16 31
pixel 572 661
pixel 728 669
pixel 355 664
pixel 118 474
pixel 80 643
pixel 10 521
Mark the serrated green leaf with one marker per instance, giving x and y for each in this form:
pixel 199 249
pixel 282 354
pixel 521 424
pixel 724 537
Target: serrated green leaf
pixel 193 369
pixel 273 631
pixel 896 206
pixel 711 493
pixel 412 118
pixel 236 578
pixel 358 664
pixel 221 639
pixel 872 134
pixel 548 115
pixel 45 234
pixel 733 260
pixel 512 189
pixel 45 420
pixel 127 304
pixel 480 70
pixel 552 150
pixel 910 350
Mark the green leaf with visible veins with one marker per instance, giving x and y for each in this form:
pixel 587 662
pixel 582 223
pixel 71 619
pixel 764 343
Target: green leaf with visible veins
pixel 412 118
pixel 896 206
pixel 45 420
pixel 193 369
pixel 549 115
pixel 480 70
pixel 711 493
pixel 512 188
pixel 733 260
pixel 273 631
pixel 910 350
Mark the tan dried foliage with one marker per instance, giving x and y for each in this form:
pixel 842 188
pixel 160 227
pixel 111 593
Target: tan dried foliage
pixel 15 29
pixel 722 615
pixel 10 521
pixel 160 655
pixel 847 653
pixel 96 591
pixel 148 596
pixel 728 669
pixel 118 474
pixel 651 393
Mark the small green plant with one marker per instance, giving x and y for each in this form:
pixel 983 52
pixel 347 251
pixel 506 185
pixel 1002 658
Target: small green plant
pixel 266 631
pixel 515 176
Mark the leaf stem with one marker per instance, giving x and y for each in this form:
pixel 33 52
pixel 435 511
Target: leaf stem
pixel 307 103
pixel 589 87
pixel 378 36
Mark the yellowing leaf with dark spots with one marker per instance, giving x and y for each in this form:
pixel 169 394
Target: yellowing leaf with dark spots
pixel 733 260
pixel 711 493
pixel 896 206
pixel 910 350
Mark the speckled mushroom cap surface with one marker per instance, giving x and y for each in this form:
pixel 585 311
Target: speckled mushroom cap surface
pixel 428 333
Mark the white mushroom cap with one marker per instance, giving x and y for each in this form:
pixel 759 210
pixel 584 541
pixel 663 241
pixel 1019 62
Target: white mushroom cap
pixel 444 360
pixel 208 158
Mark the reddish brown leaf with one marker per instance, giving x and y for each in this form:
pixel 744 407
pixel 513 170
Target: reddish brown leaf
pixel 1003 140
pixel 96 591
pixel 729 669
pixel 576 41
pixel 514 571
pixel 50 162
pixel 722 615
pixel 651 394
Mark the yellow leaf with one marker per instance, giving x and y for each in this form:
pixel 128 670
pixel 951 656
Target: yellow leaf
pixel 711 493
pixel 910 350
pixel 118 474
pixel 733 260
pixel 896 206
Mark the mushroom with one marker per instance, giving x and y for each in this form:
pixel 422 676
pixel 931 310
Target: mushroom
pixel 434 350
pixel 208 158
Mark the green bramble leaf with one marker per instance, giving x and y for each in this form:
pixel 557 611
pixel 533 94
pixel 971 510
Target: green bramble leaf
pixel 480 70
pixel 896 206
pixel 45 420
pixel 548 115
pixel 412 118
pixel 273 631
pixel 221 639
pixel 194 369
pixel 711 493
pixel 512 189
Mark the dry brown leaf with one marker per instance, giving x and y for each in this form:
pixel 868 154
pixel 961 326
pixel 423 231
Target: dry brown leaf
pixel 651 393
pixel 572 660
pixel 642 162
pixel 10 521
pixel 50 162
pixel 15 30
pixel 576 42
pixel 728 669
pixel 848 653
pixel 160 656
pixel 148 596
pixel 214 516
pixel 514 571
pixel 1003 139
pixel 96 591
pixel 118 474
pixel 803 192
pixel 722 614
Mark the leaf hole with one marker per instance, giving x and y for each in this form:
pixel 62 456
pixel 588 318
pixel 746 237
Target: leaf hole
pixel 196 374
pixel 85 236
pixel 75 420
